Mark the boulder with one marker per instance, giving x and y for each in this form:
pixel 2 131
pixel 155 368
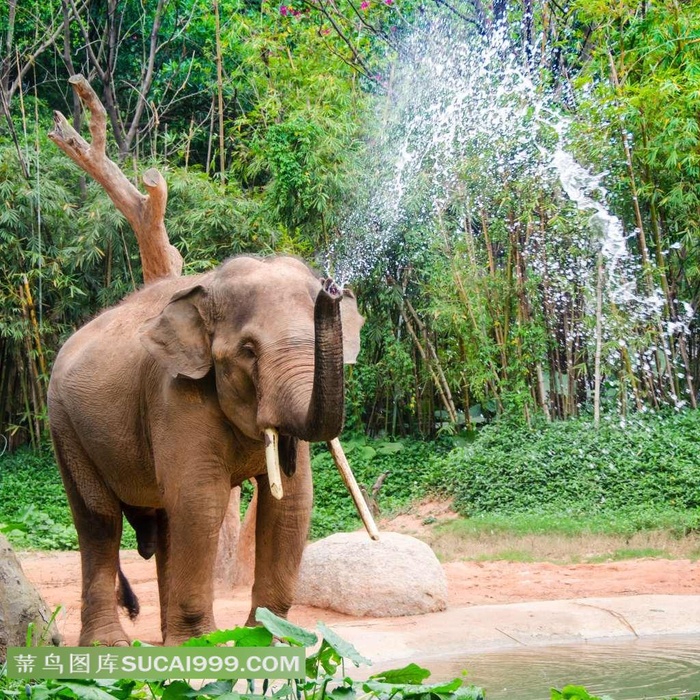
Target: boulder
pixel 352 574
pixel 20 605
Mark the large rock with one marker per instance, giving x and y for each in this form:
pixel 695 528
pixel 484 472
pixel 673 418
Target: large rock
pixel 352 574
pixel 20 605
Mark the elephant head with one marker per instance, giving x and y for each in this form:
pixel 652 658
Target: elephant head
pixel 275 338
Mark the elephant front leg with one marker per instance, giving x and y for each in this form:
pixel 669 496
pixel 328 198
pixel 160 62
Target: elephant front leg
pixel 282 527
pixel 162 555
pixel 194 520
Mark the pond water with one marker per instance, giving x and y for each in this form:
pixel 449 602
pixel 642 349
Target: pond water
pixel 660 667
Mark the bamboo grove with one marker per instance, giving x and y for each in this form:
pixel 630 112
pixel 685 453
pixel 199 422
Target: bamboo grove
pixel 266 118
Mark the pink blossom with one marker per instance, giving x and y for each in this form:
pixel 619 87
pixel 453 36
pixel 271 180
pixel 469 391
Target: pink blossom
pixel 388 2
pixel 296 13
pixel 364 4
pixel 284 10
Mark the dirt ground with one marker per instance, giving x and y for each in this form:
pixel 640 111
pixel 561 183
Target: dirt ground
pixel 57 576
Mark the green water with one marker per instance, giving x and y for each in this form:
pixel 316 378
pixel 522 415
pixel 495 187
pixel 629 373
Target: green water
pixel 648 668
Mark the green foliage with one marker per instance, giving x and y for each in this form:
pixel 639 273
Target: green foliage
pixel 322 679
pixel 552 478
pixel 33 504
pixel 570 467
pixel 34 511
pixel 575 692
pixel 409 465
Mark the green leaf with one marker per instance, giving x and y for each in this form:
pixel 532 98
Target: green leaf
pixel 342 692
pixel 367 452
pixel 412 673
pixel 329 659
pixel 409 690
pixel 179 690
pixel 120 689
pixel 576 692
pixel 468 692
pixel 295 635
pixel 242 636
pixel 389 448
pixel 344 648
pixel 86 691
pixel 218 689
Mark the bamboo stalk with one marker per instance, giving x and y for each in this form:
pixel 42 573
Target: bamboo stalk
pixel 449 406
pixel 38 398
pixel 641 238
pixel 670 308
pixel 598 340
pixel 34 325
pixel 434 356
pixel 220 92
pixel 633 378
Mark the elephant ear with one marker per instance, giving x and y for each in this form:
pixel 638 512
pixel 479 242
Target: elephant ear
pixel 177 338
pixel 352 322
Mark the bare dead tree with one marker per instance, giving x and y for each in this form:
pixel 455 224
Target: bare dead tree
pixel 145 213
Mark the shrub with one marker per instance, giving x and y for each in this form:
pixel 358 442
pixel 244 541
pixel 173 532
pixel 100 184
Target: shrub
pixel 651 461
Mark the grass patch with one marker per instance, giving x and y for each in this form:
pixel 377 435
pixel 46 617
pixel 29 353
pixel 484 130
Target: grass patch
pixel 562 540
pixel 32 495
pixel 648 553
pixel 517 555
pixel 624 523
pixel 634 553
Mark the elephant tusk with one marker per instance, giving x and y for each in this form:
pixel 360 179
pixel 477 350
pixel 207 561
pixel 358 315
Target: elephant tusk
pixel 272 458
pixel 341 461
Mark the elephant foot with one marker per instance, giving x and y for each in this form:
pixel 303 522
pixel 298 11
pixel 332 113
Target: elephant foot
pixel 115 637
pixel 174 640
pixel 277 610
pixel 185 620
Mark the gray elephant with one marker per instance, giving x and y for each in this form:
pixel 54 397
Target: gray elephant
pixel 163 403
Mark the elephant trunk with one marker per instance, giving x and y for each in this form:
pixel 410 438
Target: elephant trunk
pixel 324 420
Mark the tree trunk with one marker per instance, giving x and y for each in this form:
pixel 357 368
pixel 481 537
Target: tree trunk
pixel 229 536
pixel 20 606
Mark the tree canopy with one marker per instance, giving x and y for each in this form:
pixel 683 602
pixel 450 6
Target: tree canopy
pixel 275 126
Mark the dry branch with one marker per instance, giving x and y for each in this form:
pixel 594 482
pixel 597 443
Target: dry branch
pixel 145 213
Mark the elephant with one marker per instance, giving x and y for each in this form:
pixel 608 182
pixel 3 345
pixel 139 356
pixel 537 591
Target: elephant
pixel 163 403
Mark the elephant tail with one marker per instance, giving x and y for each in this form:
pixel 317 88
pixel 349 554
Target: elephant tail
pixel 126 597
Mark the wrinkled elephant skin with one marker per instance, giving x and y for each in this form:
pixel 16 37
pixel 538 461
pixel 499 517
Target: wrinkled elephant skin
pixel 158 408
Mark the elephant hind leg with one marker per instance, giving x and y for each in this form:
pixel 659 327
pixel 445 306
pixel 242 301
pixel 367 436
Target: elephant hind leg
pixel 145 524
pixel 98 520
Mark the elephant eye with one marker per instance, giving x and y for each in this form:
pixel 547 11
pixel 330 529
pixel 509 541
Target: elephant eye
pixel 248 351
